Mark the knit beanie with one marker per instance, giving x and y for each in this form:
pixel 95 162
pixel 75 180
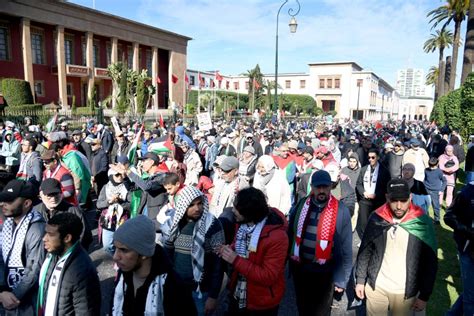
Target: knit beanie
pixel 137 234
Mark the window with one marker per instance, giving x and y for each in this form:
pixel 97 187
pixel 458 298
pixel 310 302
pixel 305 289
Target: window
pixel 149 63
pixel 70 90
pixel 329 84
pixel 96 55
pixel 39 89
pixel 4 43
pixel 109 53
pixel 337 83
pixel 302 84
pixel 37 41
pixel 236 85
pixel 84 59
pixel 68 50
pixel 321 83
pixel 192 80
pixel 130 57
pixel 287 84
pixel 246 85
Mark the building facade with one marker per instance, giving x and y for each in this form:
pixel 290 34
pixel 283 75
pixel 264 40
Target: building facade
pixel 64 49
pixel 416 98
pixel 344 87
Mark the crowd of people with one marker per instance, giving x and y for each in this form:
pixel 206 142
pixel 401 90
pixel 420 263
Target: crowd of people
pixel 196 218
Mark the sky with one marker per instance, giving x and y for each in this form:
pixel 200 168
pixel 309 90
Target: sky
pixel 233 36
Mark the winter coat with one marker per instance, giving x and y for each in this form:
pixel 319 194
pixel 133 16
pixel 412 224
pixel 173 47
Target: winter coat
pixel 352 175
pixel 32 257
pixel 34 167
pixel 79 286
pixel 193 168
pixel 11 151
pixel 264 268
pixel 419 158
pixel 120 150
pixel 393 163
pixel 380 187
pixel 106 140
pixel 100 162
pixel 277 190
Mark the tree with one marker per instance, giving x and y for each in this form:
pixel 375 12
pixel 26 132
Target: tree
pixel 468 61
pixel 467 106
pixel 254 75
pixel 453 11
pixel 439 40
pixel 432 76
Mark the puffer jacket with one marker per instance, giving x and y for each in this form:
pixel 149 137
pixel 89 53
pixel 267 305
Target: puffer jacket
pixel 79 286
pixel 11 151
pixel 264 269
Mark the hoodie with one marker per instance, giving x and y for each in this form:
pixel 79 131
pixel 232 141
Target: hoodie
pixel 352 174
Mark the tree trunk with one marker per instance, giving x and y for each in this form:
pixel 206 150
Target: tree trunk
pixel 447 74
pixel 468 60
pixel 441 77
pixel 457 35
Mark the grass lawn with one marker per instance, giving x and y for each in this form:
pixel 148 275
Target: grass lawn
pixel 448 281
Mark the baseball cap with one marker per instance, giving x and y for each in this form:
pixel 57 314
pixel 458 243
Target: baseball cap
pixel 122 159
pixel 320 178
pixel 219 160
pixel 398 189
pixel 18 188
pixel 229 163
pixel 151 156
pixel 76 132
pixel 50 186
pixel 293 144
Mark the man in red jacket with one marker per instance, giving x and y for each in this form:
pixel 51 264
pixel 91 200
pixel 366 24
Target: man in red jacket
pixel 257 255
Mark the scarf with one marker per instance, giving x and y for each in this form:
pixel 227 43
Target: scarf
pixel 115 211
pixel 53 285
pixel 12 246
pixel 370 183
pixel 154 298
pixel 260 182
pixel 186 196
pixel 22 173
pixel 246 241
pixel 325 231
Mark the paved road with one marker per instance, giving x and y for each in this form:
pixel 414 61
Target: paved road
pixel 104 265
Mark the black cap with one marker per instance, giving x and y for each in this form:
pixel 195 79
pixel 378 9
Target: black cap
pixel 398 189
pixel 151 156
pixel 320 178
pixel 18 188
pixel 50 186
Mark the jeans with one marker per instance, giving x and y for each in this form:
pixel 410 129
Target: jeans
pixel 108 241
pixel 464 305
pixel 435 203
pixel 200 302
pixel 469 176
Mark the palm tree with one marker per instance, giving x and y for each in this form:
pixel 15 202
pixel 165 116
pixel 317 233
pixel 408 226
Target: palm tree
pixel 432 76
pixel 255 75
pixel 440 40
pixel 468 60
pixel 453 10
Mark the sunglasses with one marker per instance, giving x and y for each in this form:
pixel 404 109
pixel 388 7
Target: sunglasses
pixel 372 157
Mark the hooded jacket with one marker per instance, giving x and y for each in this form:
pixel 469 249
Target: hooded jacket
pixel 393 163
pixel 264 268
pixel 10 150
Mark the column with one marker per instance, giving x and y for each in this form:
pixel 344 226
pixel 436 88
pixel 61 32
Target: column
pixel 177 67
pixel 90 63
pixel 113 60
pixel 136 59
pixel 61 59
pixel 27 55
pixel 154 76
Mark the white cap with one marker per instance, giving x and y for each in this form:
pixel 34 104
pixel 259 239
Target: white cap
pixel 224 140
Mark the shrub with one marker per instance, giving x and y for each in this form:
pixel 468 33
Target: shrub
pixel 467 106
pixel 24 108
pixel 16 92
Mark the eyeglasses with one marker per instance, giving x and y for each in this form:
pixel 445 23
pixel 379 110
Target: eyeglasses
pixel 226 171
pixel 372 157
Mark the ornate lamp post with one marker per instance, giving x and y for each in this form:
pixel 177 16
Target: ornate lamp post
pixel 293 25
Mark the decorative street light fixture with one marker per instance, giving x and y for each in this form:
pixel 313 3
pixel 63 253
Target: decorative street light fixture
pixel 293 26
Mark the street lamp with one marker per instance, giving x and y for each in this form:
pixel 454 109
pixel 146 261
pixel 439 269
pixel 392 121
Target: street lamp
pixel 293 25
pixel 359 84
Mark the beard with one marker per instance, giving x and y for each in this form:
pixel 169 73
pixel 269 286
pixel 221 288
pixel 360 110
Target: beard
pixel 16 212
pixel 60 250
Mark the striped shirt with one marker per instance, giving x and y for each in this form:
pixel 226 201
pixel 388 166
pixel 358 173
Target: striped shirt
pixel 308 244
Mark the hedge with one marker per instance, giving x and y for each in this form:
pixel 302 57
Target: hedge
pixel 24 108
pixel 16 92
pixel 467 106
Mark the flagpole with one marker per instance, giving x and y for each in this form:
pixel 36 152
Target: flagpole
pixel 184 94
pixel 199 93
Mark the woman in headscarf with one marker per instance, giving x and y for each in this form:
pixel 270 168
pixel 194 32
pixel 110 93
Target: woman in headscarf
pixel 449 164
pixel 272 181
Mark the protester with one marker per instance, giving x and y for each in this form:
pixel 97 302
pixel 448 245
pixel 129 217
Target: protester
pixel 99 165
pixel 22 248
pixel 54 169
pixel 11 152
pixel 193 164
pixel 435 183
pixel 68 280
pixel 396 265
pixel 449 164
pixel 247 165
pixel 418 157
pixel 121 147
pixel 227 189
pixel 393 160
pixel 194 236
pixel 146 283
pixel 352 170
pixel 419 194
pixel 30 161
pixel 258 256
pixel 320 258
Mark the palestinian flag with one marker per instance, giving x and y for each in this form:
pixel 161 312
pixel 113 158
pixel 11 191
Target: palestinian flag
pixel 160 147
pixel 51 125
pixel 415 222
pixel 132 152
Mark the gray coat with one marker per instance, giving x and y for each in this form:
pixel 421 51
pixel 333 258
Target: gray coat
pixel 32 256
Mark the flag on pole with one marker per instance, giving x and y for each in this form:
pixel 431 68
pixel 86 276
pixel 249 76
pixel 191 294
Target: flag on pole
pixel 51 125
pixel 256 84
pixel 162 122
pixel 161 147
pixel 174 79
pixel 132 152
pixel 218 76
pixel 158 80
pixel 136 194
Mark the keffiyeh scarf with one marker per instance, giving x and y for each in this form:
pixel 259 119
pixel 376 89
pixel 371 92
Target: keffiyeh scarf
pixel 371 182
